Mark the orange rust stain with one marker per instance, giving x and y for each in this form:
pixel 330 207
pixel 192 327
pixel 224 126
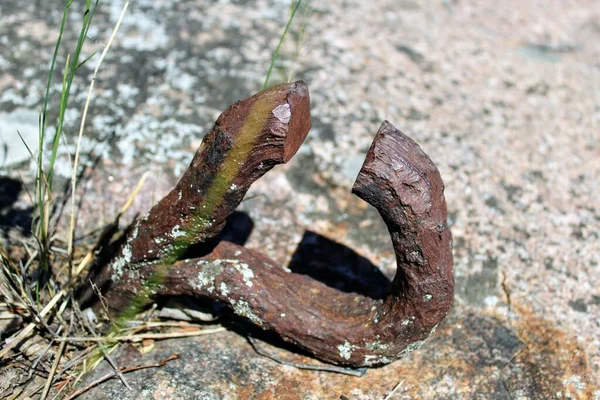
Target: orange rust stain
pixel 560 359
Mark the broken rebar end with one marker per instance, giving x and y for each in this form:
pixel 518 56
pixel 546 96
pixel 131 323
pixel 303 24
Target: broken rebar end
pixel 299 125
pixel 397 164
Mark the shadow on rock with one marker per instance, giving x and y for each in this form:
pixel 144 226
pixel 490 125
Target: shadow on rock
pixel 338 266
pixel 10 216
pixel 237 230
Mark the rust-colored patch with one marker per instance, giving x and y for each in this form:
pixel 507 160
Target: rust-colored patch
pixel 480 354
pixel 554 361
pixel 353 329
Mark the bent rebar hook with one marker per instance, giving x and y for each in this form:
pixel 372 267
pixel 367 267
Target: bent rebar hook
pixel 248 139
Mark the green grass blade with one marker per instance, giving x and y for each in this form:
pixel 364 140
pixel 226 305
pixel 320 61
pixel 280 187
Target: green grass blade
pixel 44 176
pixel 84 61
pixel 51 73
pixel 276 52
pixel 87 19
pixel 25 144
pixel 305 16
pixel 39 181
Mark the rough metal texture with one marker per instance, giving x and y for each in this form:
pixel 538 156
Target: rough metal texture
pixel 247 140
pixel 347 328
pixel 397 178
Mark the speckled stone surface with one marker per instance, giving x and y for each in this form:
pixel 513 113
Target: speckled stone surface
pixel 503 96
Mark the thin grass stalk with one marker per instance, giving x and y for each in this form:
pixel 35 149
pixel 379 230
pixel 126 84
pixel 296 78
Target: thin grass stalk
pixel 44 180
pixel 87 19
pixel 300 39
pixel 276 52
pixel 81 127
pixel 42 121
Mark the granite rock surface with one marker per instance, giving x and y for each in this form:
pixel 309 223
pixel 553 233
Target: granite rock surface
pixel 503 96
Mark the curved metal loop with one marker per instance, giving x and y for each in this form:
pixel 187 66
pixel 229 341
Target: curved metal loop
pixel 397 178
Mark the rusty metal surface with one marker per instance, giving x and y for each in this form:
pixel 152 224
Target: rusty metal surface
pixel 397 178
pixel 247 140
